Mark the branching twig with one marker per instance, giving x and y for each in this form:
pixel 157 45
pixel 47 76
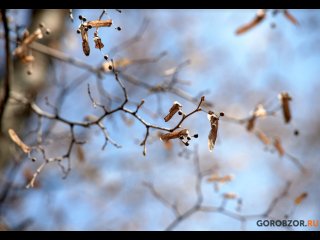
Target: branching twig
pixel 133 39
pixel 185 116
pixel 222 209
pixel 198 190
pixel 276 200
pixel 122 78
pixel 157 195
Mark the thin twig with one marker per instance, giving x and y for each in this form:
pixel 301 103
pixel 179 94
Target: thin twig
pixel 165 202
pixel 197 206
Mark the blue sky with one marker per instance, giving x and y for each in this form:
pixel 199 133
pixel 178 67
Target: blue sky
pixel 239 72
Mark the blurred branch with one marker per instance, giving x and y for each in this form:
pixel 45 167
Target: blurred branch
pixel 122 78
pixel 157 195
pixel 198 190
pixel 275 201
pixel 133 39
pixel 261 15
pixel 197 206
pixel 250 121
pixel 6 82
pixel 97 70
pixel 61 56
pixel 56 54
pixel 92 121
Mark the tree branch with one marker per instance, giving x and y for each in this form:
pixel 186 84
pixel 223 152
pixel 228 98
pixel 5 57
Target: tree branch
pixel 7 79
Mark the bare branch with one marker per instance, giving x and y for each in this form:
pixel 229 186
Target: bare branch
pixel 165 202
pixel 7 79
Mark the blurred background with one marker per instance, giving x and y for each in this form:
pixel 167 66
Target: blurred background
pixel 108 189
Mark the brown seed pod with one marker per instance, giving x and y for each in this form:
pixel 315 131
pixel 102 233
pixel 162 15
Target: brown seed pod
pixel 98 43
pixel 214 123
pixel 84 35
pixel 221 179
pixel 251 123
pixel 278 146
pixel 80 153
pixel 173 110
pixel 175 134
pixel 15 138
pixel 85 42
pixel 261 14
pixel 20 51
pixel 284 98
pixel 230 195
pixel 290 17
pixel 259 111
pixel 99 23
pixel 263 137
pixel 300 198
pixel 86 48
